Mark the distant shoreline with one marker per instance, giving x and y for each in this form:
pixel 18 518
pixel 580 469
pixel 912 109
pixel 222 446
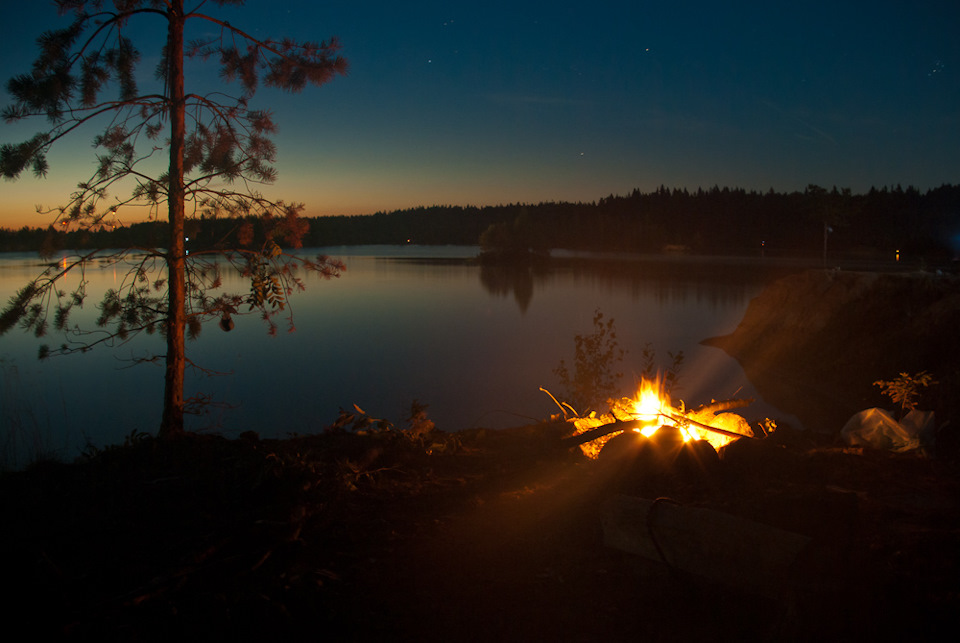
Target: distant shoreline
pixel 882 224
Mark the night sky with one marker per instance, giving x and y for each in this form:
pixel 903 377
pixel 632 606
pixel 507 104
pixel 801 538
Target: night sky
pixel 482 103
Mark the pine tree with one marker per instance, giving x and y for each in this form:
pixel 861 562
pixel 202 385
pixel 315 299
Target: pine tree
pixel 219 151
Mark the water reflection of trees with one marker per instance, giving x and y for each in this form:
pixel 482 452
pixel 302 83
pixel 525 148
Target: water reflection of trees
pixel 714 283
pixel 507 279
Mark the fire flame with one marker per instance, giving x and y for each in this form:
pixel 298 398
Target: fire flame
pixel 652 407
pixel 649 405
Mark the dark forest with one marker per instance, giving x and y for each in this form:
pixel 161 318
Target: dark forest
pixel 718 221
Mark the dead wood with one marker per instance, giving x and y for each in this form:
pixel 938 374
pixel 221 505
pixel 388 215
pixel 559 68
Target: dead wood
pixel 600 431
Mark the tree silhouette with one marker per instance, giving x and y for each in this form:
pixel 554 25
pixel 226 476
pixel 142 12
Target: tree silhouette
pixel 593 379
pixel 218 151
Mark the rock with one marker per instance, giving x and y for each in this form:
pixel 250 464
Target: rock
pixel 813 343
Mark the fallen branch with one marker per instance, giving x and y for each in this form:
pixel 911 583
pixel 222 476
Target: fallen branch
pixel 565 414
pixel 600 431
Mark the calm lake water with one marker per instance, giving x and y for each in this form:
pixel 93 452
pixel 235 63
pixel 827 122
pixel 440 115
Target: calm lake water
pixel 401 324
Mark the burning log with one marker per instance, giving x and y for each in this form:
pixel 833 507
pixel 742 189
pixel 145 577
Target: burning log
pixel 618 425
pixel 601 431
pixel 722 405
pixel 706 427
pixel 649 411
pixel 714 545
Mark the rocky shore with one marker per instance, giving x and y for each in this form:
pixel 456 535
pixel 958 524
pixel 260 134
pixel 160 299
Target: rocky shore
pixel 814 342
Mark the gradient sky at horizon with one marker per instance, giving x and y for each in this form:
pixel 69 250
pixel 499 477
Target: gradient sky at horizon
pixel 482 103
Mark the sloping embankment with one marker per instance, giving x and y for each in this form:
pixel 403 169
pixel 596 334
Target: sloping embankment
pixel 813 343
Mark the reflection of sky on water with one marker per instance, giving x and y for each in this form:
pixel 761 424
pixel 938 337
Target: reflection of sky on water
pixel 384 334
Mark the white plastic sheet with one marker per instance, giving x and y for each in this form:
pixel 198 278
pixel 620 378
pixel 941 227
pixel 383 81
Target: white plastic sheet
pixel 879 429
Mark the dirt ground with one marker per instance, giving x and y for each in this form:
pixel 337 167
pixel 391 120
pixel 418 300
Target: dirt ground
pixel 469 536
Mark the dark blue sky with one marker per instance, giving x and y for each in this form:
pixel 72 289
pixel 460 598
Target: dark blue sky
pixel 496 102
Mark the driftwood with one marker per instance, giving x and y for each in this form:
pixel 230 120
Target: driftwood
pixel 711 544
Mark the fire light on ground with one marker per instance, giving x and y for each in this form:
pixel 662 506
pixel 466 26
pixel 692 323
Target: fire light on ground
pixel 651 407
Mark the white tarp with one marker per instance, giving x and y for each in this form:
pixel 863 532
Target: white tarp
pixel 878 429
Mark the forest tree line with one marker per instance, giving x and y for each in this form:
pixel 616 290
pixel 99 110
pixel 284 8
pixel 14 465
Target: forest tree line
pixel 715 221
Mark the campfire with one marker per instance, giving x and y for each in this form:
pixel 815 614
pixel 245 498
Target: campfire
pixel 650 414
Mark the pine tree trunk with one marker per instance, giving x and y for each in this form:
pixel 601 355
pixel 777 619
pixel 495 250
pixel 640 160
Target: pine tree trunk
pixel 172 422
